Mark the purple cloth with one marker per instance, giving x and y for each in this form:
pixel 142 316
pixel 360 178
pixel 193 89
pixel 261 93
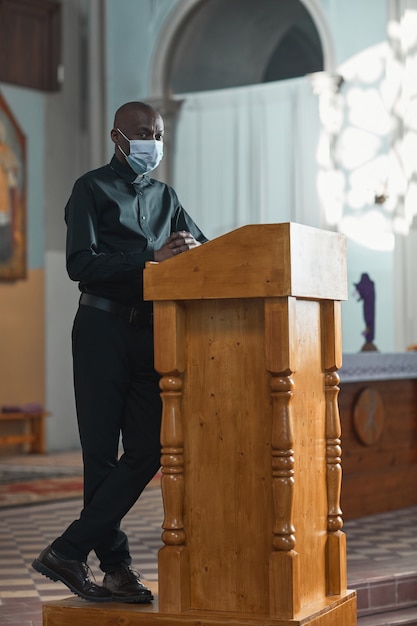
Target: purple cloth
pixel 366 292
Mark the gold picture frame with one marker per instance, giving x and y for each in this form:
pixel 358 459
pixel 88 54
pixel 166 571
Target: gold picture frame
pixel 13 263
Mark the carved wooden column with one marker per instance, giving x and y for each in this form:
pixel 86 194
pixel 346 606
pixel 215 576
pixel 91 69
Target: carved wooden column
pixel 283 564
pixel 172 558
pixel 336 539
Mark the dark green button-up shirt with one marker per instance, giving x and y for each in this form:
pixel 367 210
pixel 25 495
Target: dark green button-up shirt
pixel 115 221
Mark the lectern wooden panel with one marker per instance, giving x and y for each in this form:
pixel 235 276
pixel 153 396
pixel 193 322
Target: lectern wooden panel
pixel 248 344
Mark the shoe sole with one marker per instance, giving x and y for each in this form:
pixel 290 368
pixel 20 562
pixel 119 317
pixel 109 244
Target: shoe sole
pixel 134 600
pixel 45 571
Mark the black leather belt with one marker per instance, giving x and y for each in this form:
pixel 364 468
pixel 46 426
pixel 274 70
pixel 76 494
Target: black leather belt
pixel 132 315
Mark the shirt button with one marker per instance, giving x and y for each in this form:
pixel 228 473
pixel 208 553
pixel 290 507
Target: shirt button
pixel 150 239
pixel 141 193
pixel 143 217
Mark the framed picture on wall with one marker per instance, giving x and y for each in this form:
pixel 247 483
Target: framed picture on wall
pixel 13 265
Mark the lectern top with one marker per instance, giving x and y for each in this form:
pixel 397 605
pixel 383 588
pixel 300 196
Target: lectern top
pixel 255 261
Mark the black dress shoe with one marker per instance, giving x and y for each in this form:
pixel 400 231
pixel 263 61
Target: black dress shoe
pixel 74 574
pixel 125 586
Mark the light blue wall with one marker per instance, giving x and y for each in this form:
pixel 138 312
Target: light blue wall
pixel 133 26
pixel 355 24
pixel 28 108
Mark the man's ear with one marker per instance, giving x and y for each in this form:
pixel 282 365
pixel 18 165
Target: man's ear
pixel 114 134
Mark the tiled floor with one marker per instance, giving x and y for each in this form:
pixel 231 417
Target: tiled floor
pixel 25 531
pixel 382 554
pixel 382 565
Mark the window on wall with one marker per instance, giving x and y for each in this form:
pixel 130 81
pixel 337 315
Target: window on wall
pixel 30 43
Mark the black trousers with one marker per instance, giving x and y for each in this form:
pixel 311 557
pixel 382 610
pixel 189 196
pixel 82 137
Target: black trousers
pixel 117 395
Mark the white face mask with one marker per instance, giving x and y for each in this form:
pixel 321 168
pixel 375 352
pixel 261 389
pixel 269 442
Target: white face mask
pixel 145 154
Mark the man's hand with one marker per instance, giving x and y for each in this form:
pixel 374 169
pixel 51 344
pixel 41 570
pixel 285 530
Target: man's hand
pixel 176 244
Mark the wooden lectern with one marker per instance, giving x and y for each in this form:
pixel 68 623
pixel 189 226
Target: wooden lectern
pixel 248 343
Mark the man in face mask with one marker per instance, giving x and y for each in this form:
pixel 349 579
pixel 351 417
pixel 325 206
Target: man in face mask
pixel 145 148
pixel 117 219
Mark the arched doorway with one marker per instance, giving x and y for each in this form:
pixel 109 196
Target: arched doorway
pixel 212 44
pixel 241 42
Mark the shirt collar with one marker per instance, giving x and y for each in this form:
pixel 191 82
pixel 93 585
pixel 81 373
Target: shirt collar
pixel 126 172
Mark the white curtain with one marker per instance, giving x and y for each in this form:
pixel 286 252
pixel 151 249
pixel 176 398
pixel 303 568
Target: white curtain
pixel 248 155
pixel 402 182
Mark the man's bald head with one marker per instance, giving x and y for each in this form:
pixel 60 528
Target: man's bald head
pixel 132 109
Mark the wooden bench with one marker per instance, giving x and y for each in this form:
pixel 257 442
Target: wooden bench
pixel 35 436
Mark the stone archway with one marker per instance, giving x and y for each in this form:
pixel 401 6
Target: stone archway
pixel 269 28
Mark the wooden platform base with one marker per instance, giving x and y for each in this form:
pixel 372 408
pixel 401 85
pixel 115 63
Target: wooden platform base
pixel 340 610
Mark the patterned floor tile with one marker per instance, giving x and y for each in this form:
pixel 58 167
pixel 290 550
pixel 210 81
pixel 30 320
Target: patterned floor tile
pixel 25 531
